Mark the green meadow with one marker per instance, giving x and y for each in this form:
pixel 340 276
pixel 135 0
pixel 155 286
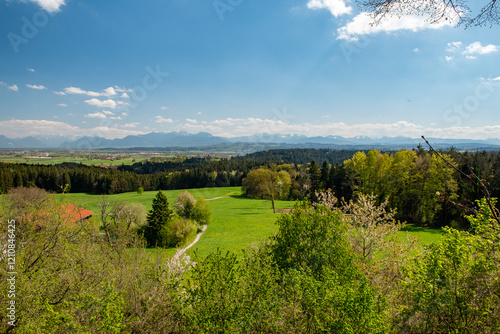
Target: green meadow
pixel 237 222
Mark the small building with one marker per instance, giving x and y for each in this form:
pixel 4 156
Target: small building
pixel 75 214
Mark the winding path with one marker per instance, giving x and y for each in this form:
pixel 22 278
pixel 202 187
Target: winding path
pixel 183 250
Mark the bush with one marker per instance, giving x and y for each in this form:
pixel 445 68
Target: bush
pixel 179 231
pixel 201 212
pixel 185 204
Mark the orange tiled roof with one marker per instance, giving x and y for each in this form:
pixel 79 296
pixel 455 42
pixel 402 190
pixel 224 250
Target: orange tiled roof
pixel 74 214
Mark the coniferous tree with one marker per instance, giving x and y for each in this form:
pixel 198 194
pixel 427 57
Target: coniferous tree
pixel 325 170
pixel 158 218
pixel 315 176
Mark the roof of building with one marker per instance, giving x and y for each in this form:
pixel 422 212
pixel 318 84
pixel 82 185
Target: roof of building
pixel 75 214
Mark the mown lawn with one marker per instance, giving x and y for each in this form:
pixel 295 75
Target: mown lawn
pixel 237 222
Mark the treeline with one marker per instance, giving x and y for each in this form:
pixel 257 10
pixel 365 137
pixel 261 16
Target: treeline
pixel 76 178
pixel 424 188
pixel 300 156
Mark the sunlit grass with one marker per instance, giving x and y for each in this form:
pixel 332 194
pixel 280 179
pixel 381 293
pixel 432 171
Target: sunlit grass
pixel 237 222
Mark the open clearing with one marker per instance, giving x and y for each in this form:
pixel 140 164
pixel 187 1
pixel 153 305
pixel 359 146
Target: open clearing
pixel 237 222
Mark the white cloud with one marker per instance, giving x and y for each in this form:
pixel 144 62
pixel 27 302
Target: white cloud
pixel 336 7
pixel 160 119
pixel 454 46
pixel 273 127
pixel 49 5
pixel 477 48
pixel 96 115
pixel 199 113
pixel 448 58
pixel 416 50
pixel 22 128
pixel 38 87
pixel 192 121
pixel 107 112
pixel 11 87
pixel 107 92
pixel 251 126
pixel 130 125
pixel 106 103
pixel 164 108
pixel 30 69
pixel 471 51
pixel 62 105
pixel 362 24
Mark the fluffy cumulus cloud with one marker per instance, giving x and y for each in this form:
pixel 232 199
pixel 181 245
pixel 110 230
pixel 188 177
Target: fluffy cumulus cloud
pixel 160 120
pixel 471 51
pixel 336 7
pixel 362 24
pixel 49 5
pixel 96 115
pixel 477 49
pixel 109 103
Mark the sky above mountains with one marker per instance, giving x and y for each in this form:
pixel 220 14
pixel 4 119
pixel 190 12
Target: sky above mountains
pixel 240 67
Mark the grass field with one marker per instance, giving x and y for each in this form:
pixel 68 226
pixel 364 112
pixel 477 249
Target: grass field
pixel 85 161
pixel 237 222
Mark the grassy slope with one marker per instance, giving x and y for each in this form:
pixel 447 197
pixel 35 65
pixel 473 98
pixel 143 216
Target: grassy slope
pixel 237 222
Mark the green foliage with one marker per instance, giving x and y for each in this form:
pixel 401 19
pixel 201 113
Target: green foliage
pixel 140 190
pixel 312 239
pixel 313 251
pixel 413 183
pixel 156 232
pixel 187 207
pixel 179 230
pixel 184 205
pixel 201 212
pixel 70 277
pixel 454 285
pixel 267 184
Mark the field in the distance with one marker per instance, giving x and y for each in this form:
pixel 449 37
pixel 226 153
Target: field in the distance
pixel 237 222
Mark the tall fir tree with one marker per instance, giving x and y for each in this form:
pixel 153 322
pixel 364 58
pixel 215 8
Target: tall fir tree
pixel 158 218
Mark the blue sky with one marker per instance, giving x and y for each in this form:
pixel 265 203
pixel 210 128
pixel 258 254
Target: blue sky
pixel 241 67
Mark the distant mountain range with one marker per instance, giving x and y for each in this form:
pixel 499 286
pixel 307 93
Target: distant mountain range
pixel 202 139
